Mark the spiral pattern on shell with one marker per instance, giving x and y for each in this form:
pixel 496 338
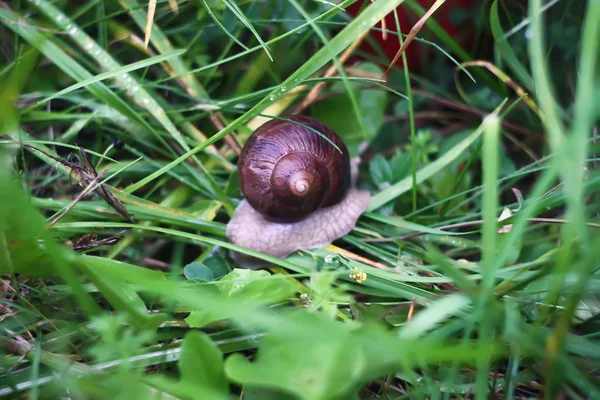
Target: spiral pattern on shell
pixel 287 170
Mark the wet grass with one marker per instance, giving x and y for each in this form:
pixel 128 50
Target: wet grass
pixel 473 273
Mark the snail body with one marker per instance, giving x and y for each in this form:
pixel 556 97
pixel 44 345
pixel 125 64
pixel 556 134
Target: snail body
pixel 299 188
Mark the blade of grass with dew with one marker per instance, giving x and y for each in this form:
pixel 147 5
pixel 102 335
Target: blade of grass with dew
pixel 161 42
pixel 110 75
pixel 354 29
pixel 67 64
pixel 135 90
pixel 327 14
pixel 351 94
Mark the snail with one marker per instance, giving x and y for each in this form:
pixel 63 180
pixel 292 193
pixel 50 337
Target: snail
pixel 299 188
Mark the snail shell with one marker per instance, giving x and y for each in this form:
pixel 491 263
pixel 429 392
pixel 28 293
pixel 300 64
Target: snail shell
pixel 287 170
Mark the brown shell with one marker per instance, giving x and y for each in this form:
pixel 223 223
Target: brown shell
pixel 287 170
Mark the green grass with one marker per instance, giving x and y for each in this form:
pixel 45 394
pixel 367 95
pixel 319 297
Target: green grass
pixel 129 290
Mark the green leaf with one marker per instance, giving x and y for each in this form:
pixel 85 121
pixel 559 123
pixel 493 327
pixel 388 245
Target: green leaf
pixel 372 102
pixel 380 170
pixel 198 271
pixel 321 367
pixel 248 284
pixel 428 171
pixel 259 285
pixel 400 165
pixel 114 386
pixel 201 363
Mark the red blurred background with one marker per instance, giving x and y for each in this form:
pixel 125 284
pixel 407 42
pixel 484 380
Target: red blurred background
pixel 417 53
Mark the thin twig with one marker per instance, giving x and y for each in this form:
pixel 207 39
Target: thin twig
pixel 92 185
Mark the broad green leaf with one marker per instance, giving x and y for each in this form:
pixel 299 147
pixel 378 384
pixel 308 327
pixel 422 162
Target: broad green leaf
pixel 245 284
pixel 198 271
pixel 380 170
pixel 400 165
pixel 114 386
pixel 426 172
pixel 335 110
pixel 201 363
pixel 315 368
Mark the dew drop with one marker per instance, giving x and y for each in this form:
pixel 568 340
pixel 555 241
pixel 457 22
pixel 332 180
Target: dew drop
pixel 283 88
pixel 68 27
pixel 332 261
pixel 73 31
pixel 272 97
pixel 124 76
pixel 146 101
pixel 136 88
pixel 89 45
pixel 59 17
